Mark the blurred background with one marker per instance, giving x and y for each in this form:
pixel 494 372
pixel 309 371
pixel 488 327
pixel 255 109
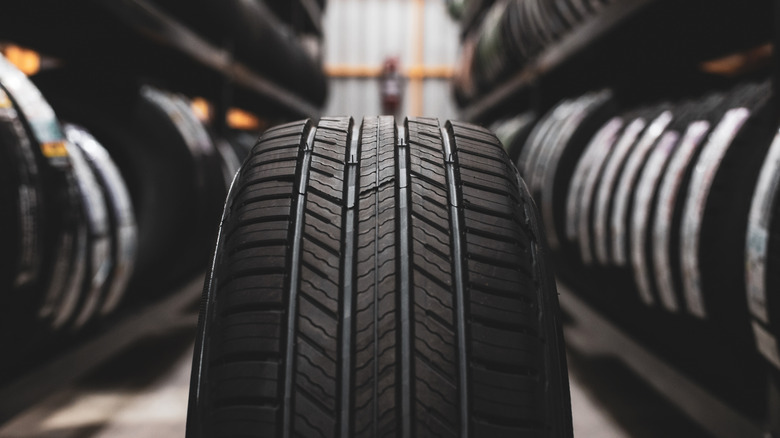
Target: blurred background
pixel 645 130
pixel 419 36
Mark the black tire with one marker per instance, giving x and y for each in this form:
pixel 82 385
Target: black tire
pixel 20 193
pixel 173 174
pixel 656 124
pixel 553 179
pixel 514 132
pixel 64 231
pixel 655 194
pixel 642 210
pixel 718 198
pixel 123 233
pixel 409 260
pixel 693 126
pixel 762 257
pixel 95 217
pixel 589 113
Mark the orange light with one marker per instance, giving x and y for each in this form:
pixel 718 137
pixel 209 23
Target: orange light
pixel 240 119
pixel 28 61
pixel 202 109
pixel 740 63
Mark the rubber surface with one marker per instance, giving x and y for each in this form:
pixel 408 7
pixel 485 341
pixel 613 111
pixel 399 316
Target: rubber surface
pixel 20 194
pixel 64 233
pixel 374 280
pixel 173 173
pixel 123 233
pixel 96 220
pixel 761 254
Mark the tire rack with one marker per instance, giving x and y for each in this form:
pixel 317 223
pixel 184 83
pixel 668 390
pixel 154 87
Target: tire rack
pixel 592 56
pixel 154 45
pixel 592 334
pixel 200 65
pixel 176 311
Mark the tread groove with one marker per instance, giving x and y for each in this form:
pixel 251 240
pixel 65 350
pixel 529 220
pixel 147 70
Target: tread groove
pixel 348 269
pixel 404 282
pixel 375 364
pixel 295 254
pixel 450 163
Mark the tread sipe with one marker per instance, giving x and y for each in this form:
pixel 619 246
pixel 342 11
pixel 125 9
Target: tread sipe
pixel 375 280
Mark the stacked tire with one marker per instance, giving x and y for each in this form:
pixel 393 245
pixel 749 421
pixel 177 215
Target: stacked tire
pixel 175 173
pixel 762 256
pixel 254 36
pixel 651 226
pixel 512 33
pixel 81 222
pixel 61 229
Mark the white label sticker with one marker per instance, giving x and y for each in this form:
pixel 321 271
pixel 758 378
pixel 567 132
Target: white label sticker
pixel 757 242
pixel 701 182
pixel 664 212
pixel 646 186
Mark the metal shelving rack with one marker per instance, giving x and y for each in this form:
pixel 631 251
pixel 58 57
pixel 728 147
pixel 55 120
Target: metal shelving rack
pixel 138 39
pixel 607 50
pixel 155 27
pixel 178 310
pixel 625 43
pixel 590 332
pixel 554 57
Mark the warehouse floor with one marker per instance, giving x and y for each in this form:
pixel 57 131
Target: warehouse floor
pixel 143 393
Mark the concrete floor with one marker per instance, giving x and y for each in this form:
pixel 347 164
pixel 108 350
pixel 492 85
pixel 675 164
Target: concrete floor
pixel 140 393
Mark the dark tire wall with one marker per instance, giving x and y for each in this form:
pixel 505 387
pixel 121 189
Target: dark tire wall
pixel 69 226
pixel 173 175
pixel 21 259
pixel 341 303
pixel 641 192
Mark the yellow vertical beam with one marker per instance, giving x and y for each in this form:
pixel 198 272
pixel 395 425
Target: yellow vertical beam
pixel 419 39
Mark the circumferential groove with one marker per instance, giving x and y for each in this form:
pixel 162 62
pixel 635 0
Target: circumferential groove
pixel 295 281
pixel 348 271
pixel 375 395
pixel 404 283
pixel 457 261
